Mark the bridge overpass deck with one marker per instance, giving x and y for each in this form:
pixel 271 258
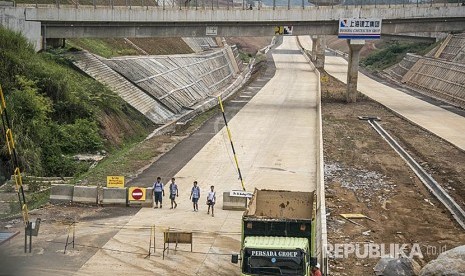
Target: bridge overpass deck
pixel 106 21
pixel 276 142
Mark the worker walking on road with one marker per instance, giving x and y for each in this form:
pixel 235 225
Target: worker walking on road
pixel 211 198
pixel 316 270
pixel 159 192
pixel 173 193
pixel 195 195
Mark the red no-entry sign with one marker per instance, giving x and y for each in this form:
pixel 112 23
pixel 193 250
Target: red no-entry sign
pixel 137 194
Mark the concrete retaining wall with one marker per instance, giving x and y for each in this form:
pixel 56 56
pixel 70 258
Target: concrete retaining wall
pixel 433 77
pixel 61 193
pixel 200 44
pixel 114 196
pixel 454 51
pixel 13 18
pixel 225 94
pixel 234 203
pixel 398 70
pixel 179 81
pixel 130 93
pixel 84 194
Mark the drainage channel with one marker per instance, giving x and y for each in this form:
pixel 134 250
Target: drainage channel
pixel 428 181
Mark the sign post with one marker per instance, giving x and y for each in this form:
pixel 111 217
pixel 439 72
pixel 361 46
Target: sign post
pixel 211 31
pixel 238 193
pixel 137 194
pixel 283 30
pixel 359 28
pixel 115 181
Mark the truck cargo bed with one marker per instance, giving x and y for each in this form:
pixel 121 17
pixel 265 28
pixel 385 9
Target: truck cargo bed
pixel 279 213
pixel 273 204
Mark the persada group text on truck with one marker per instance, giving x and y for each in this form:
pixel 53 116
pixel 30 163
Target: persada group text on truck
pixel 277 234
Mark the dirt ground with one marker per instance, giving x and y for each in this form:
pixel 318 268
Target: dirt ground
pixel 341 45
pixel 364 175
pixel 249 45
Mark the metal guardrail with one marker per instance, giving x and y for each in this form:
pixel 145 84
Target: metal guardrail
pixel 430 183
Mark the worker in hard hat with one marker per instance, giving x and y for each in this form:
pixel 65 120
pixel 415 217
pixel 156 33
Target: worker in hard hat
pixel 316 270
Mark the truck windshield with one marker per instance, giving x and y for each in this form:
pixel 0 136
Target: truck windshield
pixel 273 262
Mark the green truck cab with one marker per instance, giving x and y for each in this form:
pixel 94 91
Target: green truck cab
pixel 277 234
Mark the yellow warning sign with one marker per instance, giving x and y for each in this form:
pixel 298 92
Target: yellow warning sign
pixel 283 30
pixel 115 181
pixel 278 30
pixel 136 193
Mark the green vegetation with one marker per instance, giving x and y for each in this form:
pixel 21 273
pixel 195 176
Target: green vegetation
pixel 126 161
pixel 245 57
pixel 57 112
pixel 134 156
pixel 392 54
pixel 107 48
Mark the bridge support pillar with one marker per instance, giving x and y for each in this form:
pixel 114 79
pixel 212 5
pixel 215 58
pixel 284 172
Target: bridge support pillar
pixel 318 51
pixel 314 46
pixel 355 46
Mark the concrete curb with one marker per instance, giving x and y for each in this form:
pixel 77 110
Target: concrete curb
pixel 321 235
pixel 114 196
pixel 234 203
pixel 61 193
pixel 85 194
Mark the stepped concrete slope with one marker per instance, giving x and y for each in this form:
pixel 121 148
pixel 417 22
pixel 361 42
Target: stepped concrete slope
pixel 179 81
pixel 200 44
pixel 454 49
pixel 239 62
pixel 438 79
pixel 398 70
pixel 137 98
pixel 440 75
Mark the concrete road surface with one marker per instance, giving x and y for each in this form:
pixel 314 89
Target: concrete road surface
pixel 437 120
pixel 275 141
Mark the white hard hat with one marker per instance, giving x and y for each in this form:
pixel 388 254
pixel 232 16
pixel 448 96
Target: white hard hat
pixel 317 265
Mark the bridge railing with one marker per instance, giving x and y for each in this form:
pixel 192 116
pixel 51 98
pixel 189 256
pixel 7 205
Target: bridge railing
pixel 231 4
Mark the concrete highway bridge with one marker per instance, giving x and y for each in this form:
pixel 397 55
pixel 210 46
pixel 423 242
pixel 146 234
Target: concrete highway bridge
pixel 143 21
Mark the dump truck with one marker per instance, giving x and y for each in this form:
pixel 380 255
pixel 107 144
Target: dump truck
pixel 277 234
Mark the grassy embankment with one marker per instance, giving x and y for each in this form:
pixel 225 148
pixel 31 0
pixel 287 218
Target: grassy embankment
pixel 393 53
pixel 56 112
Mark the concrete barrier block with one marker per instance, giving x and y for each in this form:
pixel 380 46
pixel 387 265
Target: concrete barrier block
pixel 148 202
pixel 61 193
pixel 85 194
pixel 234 203
pixel 114 196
